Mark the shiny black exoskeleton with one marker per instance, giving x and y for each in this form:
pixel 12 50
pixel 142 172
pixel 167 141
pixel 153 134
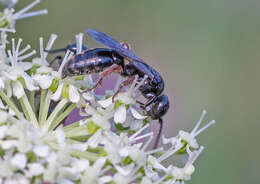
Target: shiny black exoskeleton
pixel 101 59
pixel 92 61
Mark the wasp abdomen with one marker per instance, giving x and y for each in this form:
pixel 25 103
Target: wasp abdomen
pixel 91 61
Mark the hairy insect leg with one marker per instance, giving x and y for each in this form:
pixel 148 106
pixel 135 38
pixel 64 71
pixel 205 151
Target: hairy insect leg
pixel 104 74
pixel 124 83
pixel 159 134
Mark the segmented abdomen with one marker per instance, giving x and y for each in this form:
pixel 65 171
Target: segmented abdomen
pixel 92 61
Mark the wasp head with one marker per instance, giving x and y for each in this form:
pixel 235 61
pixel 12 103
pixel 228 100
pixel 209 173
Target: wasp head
pixel 158 107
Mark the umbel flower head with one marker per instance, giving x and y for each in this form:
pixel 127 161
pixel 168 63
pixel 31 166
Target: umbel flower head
pixel 110 144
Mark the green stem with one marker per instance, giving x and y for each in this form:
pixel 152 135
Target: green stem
pixel 44 106
pixel 10 103
pixel 63 115
pixel 31 99
pixel 54 113
pixel 26 113
pixel 28 109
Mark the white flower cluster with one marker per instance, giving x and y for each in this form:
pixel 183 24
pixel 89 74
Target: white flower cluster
pixel 109 145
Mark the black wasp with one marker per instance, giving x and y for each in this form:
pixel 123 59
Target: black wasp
pixel 109 60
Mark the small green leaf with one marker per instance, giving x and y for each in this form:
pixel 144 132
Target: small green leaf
pixel 21 80
pixel 127 106
pixel 120 127
pixel 31 156
pixel 141 170
pixel 146 121
pixel 127 161
pixel 92 127
pixel 65 91
pixel 79 78
pixel 54 85
pixel 4 23
pixel 117 104
pixel 2 152
pixel 34 69
pixel 182 150
pixel 169 177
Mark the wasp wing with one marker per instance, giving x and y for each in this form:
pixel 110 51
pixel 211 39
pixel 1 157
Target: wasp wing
pixel 108 41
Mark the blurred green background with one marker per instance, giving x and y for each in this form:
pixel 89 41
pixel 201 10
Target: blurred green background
pixel 208 52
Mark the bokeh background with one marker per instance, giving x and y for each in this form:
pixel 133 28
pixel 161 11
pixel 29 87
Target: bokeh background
pixel 208 52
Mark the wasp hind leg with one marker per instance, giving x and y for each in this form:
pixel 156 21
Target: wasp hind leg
pixel 56 59
pixel 104 74
pixel 123 84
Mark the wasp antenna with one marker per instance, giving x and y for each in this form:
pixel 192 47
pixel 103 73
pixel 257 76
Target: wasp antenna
pixel 159 134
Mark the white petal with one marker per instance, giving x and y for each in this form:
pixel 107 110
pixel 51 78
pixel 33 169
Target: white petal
pixel 3 130
pixel 80 165
pixel 2 106
pixel 125 170
pixel 73 94
pixel 60 136
pixel 25 65
pixel 88 96
pixel 2 84
pixel 3 116
pixel 37 61
pixel 8 90
pixel 105 179
pixel 80 146
pixel 65 181
pixel 120 114
pixel 44 69
pixel 29 82
pixel 136 114
pixel 19 160
pixel 99 164
pixel 95 139
pixel 123 152
pixel 8 144
pixel 43 80
pixel 18 89
pixel 105 103
pixel 41 150
pixel 35 169
pixel 189 138
pixel 126 98
pixel 57 94
pixel 11 112
pixel 12 75
pixel 189 170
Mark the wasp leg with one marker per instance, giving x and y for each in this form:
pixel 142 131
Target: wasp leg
pixel 140 103
pixel 55 50
pixel 151 100
pixel 104 74
pixel 159 134
pixel 57 58
pixel 124 83
pixel 69 47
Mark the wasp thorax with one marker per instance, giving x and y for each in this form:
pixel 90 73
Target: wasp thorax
pixel 118 59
